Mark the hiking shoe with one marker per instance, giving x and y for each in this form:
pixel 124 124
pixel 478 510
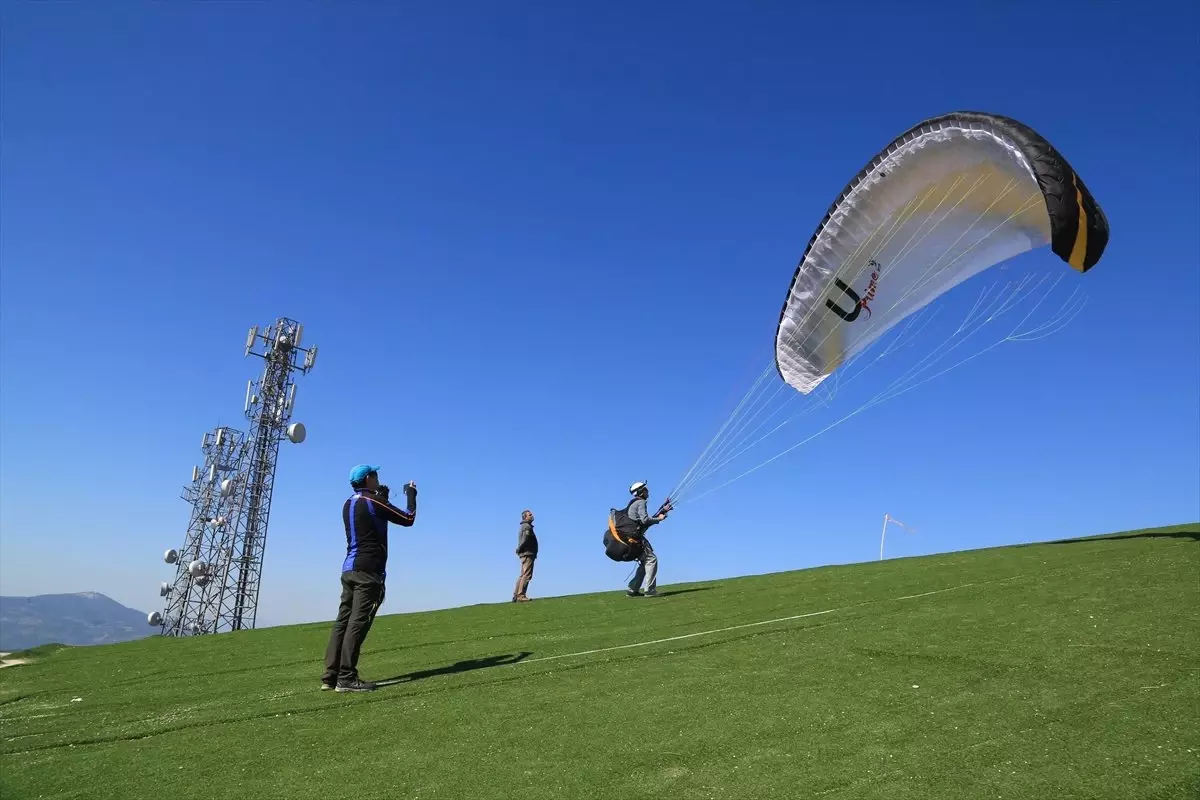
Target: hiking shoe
pixel 633 593
pixel 356 685
pixel 326 686
pixel 652 593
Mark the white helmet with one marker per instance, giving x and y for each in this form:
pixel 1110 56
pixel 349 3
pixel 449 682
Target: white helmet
pixel 637 486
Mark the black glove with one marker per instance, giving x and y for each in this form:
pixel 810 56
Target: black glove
pixel 384 493
pixel 410 490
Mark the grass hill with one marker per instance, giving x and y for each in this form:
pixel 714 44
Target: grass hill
pixel 1063 670
pixel 75 619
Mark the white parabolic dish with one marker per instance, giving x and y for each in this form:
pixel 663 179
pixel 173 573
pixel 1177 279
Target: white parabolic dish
pixel 296 432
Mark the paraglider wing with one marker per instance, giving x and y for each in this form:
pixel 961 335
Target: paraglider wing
pixel 944 201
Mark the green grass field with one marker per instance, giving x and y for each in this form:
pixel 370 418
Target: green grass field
pixel 1066 670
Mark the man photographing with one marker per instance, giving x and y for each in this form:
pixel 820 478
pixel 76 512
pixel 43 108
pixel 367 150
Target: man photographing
pixel 366 515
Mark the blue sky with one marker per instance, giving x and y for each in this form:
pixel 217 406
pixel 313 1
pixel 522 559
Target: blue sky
pixel 542 250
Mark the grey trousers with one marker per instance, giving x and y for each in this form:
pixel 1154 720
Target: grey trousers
pixel 647 569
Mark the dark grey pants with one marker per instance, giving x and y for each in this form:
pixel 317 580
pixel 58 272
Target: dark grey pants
pixel 362 594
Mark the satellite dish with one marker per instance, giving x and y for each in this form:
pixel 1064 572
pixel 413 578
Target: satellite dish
pixel 195 628
pixel 154 618
pixel 196 568
pixel 171 556
pixel 297 433
pixel 164 589
pixel 202 580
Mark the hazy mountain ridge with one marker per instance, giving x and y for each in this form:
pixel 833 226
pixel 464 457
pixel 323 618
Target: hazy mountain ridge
pixel 83 618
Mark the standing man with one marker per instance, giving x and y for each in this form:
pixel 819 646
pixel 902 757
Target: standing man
pixel 366 516
pixel 647 568
pixel 527 550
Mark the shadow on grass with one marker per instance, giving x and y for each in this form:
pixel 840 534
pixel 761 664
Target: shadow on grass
pixel 670 592
pixel 1187 533
pixel 460 666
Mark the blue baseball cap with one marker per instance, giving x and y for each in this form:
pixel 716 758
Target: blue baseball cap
pixel 361 471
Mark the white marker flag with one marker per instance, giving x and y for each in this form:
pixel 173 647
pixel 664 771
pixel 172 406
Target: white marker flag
pixel 889 519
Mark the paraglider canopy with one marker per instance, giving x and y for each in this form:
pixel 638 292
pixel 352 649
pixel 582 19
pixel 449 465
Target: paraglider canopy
pixel 944 201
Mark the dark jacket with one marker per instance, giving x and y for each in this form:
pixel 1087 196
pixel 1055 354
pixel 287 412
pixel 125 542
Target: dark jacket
pixel 366 517
pixel 527 544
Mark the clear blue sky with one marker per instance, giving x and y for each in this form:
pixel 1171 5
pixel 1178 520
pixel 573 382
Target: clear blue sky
pixel 541 249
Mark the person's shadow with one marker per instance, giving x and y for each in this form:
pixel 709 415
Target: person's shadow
pixel 1180 532
pixel 459 666
pixel 669 592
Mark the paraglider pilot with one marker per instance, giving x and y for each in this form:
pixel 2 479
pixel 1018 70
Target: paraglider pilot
pixel 647 569
pixel 366 515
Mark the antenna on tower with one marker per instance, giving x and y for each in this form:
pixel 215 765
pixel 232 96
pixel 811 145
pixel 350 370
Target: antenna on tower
pixel 219 567
pixel 297 433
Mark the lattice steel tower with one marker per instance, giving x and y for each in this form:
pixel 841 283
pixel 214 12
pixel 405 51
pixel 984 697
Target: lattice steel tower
pixel 219 569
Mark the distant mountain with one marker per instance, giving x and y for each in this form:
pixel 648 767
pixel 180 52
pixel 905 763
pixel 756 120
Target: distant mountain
pixel 72 619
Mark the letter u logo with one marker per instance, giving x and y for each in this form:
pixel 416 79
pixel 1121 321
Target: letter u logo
pixel 856 301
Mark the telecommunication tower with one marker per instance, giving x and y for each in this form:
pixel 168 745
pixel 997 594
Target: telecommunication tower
pixel 219 570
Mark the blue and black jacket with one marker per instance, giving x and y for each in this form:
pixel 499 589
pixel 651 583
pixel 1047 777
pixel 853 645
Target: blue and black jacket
pixel 366 517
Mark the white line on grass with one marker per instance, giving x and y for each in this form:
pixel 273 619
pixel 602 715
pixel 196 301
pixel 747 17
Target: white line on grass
pixel 677 638
pixel 935 591
pixel 750 624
